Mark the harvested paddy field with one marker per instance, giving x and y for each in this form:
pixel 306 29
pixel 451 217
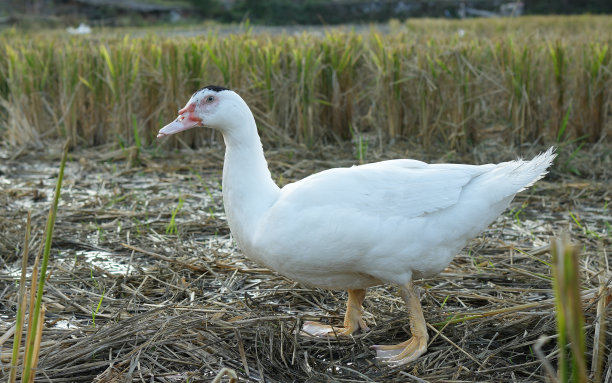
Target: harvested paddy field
pixel 145 283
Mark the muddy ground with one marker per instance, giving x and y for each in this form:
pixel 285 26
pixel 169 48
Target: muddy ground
pixel 146 284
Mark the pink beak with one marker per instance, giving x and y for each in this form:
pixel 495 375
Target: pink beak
pixel 186 120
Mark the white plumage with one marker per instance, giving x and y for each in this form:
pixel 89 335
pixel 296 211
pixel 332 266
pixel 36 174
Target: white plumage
pixel 352 228
pixel 386 222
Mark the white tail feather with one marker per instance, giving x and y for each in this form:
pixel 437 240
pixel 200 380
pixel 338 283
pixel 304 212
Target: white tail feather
pixel 535 169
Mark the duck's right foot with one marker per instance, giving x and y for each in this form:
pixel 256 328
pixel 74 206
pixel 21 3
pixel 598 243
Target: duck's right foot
pixel 352 319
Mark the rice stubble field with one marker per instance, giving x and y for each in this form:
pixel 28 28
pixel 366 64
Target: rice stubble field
pixel 144 281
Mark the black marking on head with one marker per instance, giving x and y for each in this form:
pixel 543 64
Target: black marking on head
pixel 214 88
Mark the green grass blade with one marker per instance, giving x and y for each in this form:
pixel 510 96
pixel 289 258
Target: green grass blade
pixel 29 357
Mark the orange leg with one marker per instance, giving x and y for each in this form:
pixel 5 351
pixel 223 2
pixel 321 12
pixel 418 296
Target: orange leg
pixel 414 347
pixel 353 320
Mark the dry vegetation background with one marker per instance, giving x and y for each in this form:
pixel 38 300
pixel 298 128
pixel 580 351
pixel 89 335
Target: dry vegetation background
pixel 144 281
pixel 447 84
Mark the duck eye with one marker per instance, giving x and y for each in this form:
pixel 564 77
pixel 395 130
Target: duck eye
pixel 210 99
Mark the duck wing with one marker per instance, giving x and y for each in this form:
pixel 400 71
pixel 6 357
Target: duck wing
pixel 404 188
pixel 410 188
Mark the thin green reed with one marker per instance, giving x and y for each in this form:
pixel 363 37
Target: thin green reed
pixel 29 356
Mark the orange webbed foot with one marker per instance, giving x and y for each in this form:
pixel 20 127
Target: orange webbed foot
pixel 414 347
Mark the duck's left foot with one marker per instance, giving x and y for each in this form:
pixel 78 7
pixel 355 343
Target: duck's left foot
pixel 352 319
pixel 402 353
pixel 323 330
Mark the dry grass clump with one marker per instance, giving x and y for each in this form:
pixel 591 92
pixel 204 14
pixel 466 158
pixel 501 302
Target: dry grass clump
pixel 130 300
pixel 447 84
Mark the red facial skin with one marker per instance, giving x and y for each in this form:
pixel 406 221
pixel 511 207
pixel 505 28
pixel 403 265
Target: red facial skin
pixel 191 116
pixel 190 108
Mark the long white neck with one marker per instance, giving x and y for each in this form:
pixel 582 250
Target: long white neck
pixel 248 188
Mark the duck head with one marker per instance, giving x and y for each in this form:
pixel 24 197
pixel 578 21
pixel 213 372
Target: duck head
pixel 210 106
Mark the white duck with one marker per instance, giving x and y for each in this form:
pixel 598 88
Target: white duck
pixel 352 228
